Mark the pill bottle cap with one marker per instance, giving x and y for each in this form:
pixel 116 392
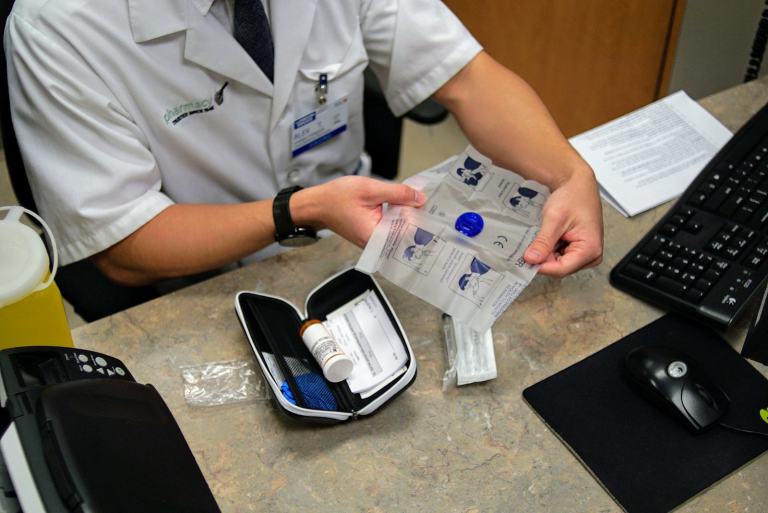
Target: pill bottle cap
pixel 338 368
pixel 469 223
pixel 306 325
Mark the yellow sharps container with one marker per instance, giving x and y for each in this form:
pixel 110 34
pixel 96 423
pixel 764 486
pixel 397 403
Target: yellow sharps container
pixel 31 309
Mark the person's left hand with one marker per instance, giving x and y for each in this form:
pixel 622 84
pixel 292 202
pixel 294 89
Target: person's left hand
pixel 571 234
pixel 351 206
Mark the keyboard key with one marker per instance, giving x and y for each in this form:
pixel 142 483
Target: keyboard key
pixel 760 221
pixel 641 259
pixel 669 229
pixel 692 227
pixel 739 243
pixel 721 265
pixel 716 246
pixel 711 275
pixel 754 261
pixel 732 252
pixel 665 255
pixel 744 214
pixel 697 268
pixel 703 285
pixel 694 295
pixel 653 245
pixel 724 237
pixel 677 220
pixel 713 202
pixel 698 198
pixel 732 204
pixel 688 278
pixel 671 286
pixel 638 273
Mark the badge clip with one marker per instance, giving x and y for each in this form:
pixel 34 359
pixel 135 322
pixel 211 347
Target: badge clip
pixel 321 89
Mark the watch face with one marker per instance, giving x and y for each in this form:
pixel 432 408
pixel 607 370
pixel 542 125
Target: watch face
pixel 298 239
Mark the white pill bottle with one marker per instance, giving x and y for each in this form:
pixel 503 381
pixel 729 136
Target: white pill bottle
pixel 335 363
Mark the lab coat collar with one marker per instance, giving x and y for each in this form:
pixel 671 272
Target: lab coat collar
pixel 151 19
pixel 291 22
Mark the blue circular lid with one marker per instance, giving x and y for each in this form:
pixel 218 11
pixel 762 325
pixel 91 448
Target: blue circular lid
pixel 469 223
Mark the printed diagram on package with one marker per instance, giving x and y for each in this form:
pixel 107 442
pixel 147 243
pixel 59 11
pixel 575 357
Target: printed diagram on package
pixel 473 174
pixel 525 201
pixel 475 280
pixel 419 249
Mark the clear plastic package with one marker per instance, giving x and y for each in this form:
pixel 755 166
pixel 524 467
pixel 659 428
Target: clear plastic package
pixel 217 383
pixel 469 355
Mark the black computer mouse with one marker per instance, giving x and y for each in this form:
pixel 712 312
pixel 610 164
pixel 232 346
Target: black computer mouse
pixel 676 383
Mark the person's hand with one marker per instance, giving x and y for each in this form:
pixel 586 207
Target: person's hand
pixel 571 234
pixel 351 206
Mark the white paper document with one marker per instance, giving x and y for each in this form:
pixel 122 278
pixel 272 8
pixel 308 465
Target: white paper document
pixel 472 278
pixel 364 331
pixel 651 155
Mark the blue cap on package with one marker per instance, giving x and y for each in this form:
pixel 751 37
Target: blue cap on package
pixel 469 223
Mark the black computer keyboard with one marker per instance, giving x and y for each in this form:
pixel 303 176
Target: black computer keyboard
pixel 708 255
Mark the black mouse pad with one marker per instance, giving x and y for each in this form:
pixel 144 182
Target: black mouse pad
pixel 646 460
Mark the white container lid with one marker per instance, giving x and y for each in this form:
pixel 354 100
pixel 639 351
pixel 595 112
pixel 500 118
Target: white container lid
pixel 23 261
pixel 338 368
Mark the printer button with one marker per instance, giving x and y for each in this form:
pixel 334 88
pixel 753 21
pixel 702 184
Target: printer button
pixel 101 362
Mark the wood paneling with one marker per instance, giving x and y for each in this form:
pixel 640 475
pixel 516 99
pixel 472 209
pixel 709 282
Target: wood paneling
pixel 590 60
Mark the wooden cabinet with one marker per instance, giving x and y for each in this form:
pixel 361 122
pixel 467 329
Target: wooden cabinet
pixel 590 60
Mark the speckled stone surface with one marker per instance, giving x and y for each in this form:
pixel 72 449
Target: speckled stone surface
pixel 478 448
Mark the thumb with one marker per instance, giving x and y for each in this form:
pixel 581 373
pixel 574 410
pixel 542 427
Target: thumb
pixel 399 194
pixel 544 243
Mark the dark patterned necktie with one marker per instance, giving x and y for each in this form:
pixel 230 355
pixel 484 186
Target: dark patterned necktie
pixel 253 33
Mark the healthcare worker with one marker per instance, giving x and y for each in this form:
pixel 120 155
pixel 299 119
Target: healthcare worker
pixel 164 138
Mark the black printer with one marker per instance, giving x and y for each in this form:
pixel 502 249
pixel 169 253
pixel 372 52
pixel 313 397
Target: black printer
pixel 80 435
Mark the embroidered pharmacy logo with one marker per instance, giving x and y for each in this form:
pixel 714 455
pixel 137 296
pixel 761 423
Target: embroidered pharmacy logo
pixel 179 113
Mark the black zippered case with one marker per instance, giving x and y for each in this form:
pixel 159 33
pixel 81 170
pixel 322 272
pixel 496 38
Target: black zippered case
pixel 272 326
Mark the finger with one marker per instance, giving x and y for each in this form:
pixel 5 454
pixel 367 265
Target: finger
pixel 398 194
pixel 574 259
pixel 544 243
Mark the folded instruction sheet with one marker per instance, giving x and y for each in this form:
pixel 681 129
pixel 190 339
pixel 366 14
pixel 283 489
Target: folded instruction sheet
pixel 651 155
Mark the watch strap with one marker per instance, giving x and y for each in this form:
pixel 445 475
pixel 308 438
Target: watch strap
pixel 281 213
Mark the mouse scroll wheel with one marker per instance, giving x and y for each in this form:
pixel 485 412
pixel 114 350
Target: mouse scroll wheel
pixel 677 369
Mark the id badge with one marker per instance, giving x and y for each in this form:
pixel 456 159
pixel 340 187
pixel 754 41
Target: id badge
pixel 319 126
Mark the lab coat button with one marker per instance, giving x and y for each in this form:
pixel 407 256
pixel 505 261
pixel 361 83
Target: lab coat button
pixel 294 175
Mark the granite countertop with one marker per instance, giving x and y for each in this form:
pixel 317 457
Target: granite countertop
pixel 478 448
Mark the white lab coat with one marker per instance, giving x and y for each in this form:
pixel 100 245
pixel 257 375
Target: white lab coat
pixel 116 112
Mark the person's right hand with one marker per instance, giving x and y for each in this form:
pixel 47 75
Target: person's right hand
pixel 351 206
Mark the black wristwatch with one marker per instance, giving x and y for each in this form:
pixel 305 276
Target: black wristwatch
pixel 287 233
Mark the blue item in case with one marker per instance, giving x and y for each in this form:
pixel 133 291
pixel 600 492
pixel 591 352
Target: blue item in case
pixel 315 391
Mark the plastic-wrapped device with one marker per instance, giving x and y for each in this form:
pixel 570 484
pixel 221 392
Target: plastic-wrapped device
pixel 463 250
pixel 469 355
